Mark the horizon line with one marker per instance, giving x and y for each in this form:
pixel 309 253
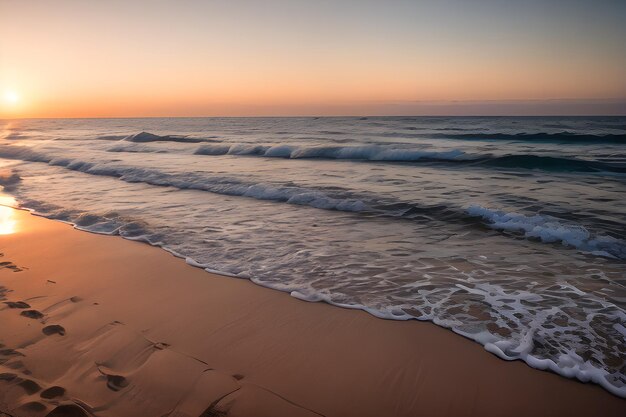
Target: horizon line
pixel 314 116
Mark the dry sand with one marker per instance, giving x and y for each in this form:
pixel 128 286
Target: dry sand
pixel 119 328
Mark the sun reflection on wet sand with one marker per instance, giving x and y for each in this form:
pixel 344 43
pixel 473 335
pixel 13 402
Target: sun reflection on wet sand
pixel 8 222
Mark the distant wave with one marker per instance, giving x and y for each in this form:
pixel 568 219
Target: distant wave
pixel 550 229
pixel 140 143
pixel 149 137
pixel 566 137
pixel 385 154
pixel 368 153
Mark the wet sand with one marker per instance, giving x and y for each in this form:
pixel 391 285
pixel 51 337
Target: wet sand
pixel 99 325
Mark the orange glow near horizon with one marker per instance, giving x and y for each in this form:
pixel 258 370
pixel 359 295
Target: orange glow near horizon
pixel 113 59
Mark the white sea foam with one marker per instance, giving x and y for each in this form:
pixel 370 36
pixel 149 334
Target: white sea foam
pixel 550 229
pixel 518 346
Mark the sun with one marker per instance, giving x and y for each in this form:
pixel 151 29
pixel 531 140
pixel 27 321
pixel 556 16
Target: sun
pixel 11 97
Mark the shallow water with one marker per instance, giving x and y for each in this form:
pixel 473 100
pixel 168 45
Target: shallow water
pixel 510 231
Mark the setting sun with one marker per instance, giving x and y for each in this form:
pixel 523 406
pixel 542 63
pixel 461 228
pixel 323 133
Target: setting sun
pixel 11 97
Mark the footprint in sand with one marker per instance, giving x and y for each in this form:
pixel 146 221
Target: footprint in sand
pixel 17 304
pixel 7 376
pixel 68 410
pixel 33 407
pixel 30 386
pixel 17 364
pixel 52 392
pixel 53 329
pixel 10 265
pixel 10 352
pixel 32 314
pixel 115 382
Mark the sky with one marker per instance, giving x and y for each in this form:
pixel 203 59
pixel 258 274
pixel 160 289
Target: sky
pixel 70 58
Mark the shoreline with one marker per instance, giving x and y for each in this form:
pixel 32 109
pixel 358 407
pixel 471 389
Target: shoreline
pixel 145 332
pixel 594 375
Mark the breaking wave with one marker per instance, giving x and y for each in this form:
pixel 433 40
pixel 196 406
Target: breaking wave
pixel 386 154
pixel 290 194
pixel 550 229
pixel 367 153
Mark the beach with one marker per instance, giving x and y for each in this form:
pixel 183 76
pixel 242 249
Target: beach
pixel 100 325
pixel 296 209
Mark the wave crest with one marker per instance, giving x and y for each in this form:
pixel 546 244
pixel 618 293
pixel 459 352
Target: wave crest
pixel 367 153
pixel 550 229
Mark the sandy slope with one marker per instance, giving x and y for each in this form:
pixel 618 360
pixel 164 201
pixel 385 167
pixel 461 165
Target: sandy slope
pixel 119 328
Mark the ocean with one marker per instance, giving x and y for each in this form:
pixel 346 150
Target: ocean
pixel 510 231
